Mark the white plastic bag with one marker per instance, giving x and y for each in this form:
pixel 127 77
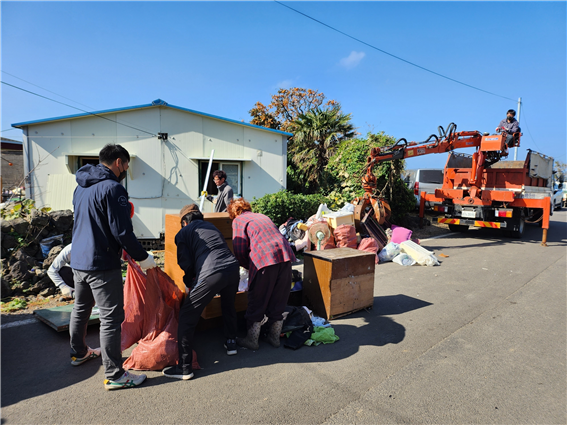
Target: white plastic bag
pixel 349 208
pixel 322 210
pixel 389 252
pixel 404 259
pixel 243 284
pixel 422 256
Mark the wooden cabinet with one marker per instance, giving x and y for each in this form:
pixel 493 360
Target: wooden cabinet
pixel 173 225
pixel 338 281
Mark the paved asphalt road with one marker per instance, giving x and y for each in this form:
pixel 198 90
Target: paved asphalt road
pixel 480 339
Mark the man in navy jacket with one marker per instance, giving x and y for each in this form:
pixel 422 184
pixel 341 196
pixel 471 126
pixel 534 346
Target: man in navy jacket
pixel 102 229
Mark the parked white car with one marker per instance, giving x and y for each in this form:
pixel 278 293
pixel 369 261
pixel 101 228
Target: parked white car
pixel 423 180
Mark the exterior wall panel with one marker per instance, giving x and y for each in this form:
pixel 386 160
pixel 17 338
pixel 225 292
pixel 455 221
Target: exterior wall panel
pixel 163 177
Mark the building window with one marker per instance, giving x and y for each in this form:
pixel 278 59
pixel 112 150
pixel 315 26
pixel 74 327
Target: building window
pixel 233 172
pixel 84 160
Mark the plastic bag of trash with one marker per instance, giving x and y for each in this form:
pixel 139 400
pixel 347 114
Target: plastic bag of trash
pixel 369 245
pixel 345 236
pixel 48 243
pixel 243 283
pixel 422 256
pixel 348 207
pixel 389 252
pixel 151 312
pixel 322 210
pixel 404 259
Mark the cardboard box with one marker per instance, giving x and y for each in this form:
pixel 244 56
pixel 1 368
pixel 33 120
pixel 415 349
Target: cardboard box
pixel 336 219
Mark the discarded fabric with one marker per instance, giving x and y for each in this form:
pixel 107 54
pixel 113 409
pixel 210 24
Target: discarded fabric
pixel 322 335
pixel 297 326
pixel 400 234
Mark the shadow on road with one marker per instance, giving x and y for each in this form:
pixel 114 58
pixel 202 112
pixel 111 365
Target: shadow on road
pixel 484 237
pixel 35 359
pixel 378 330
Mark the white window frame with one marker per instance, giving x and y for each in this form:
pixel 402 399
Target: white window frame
pixel 237 190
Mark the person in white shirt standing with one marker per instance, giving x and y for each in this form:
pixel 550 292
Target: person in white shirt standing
pixel 61 274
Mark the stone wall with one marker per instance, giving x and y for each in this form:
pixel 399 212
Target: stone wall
pixel 12 175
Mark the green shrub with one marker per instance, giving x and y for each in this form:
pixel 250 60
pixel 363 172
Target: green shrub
pixel 346 168
pixel 282 205
pixel 20 209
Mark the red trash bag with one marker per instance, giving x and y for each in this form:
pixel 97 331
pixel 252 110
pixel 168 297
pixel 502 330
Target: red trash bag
pixel 134 294
pixel 345 236
pixel 151 307
pixel 369 245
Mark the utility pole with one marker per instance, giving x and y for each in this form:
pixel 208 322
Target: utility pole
pixel 519 107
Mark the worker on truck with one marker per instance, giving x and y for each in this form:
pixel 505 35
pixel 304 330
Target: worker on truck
pixel 510 125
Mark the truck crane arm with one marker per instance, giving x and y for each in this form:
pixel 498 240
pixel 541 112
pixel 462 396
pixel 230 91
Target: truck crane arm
pixel 490 149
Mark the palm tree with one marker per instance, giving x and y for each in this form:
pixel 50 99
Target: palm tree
pixel 316 134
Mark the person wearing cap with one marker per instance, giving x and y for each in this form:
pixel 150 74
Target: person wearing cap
pixel 261 248
pixel 225 191
pixel 510 126
pixel 210 268
pixel 102 229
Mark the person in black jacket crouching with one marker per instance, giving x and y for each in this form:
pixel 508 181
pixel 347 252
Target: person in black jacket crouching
pixel 210 268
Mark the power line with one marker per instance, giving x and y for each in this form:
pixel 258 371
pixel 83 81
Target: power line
pixel 529 132
pixel 79 109
pixel 390 54
pixel 57 94
pixel 10 129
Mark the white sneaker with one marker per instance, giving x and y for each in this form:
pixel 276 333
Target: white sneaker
pixel 128 380
pixel 92 353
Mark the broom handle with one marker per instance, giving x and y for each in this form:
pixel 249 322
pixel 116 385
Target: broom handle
pixel 204 192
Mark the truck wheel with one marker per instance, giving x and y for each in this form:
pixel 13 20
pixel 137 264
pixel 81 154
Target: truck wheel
pixel 517 234
pixel 458 228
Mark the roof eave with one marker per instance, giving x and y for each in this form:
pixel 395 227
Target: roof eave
pixel 156 103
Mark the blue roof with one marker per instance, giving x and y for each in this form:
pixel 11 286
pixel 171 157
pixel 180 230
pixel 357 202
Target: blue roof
pixel 155 103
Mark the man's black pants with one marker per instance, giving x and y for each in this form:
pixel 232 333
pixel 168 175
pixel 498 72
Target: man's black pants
pixel 225 283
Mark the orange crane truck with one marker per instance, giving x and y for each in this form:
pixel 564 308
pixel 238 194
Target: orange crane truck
pixel 478 190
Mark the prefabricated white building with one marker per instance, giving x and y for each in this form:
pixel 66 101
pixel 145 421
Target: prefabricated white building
pixel 169 147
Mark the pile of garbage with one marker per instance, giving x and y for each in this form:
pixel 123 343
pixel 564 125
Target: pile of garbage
pixel 335 229
pixel 30 244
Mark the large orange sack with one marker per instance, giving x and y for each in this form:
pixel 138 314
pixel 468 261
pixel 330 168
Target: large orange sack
pixel 369 245
pixel 151 310
pixel 345 236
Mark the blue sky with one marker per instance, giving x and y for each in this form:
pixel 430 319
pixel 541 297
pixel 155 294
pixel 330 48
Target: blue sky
pixel 222 57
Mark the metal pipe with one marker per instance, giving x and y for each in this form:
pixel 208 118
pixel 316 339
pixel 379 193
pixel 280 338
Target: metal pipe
pixel 519 107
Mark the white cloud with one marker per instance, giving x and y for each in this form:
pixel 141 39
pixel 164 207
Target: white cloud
pixel 352 60
pixel 285 84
